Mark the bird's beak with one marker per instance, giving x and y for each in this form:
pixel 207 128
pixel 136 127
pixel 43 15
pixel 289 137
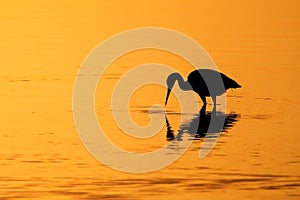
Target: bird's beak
pixel 167 97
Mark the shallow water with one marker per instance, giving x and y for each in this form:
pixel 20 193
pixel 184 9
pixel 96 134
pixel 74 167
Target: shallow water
pixel 255 157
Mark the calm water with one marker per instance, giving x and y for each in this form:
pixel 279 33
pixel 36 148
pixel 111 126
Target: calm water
pixel 256 157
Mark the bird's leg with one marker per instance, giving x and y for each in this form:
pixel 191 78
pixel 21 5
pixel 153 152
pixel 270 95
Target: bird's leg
pixel 203 99
pixel 203 110
pixel 214 110
pixel 214 99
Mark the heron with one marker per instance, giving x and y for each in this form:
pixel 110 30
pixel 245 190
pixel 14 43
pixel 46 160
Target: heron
pixel 205 82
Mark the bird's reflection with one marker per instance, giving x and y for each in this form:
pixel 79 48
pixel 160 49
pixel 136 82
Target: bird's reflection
pixel 200 124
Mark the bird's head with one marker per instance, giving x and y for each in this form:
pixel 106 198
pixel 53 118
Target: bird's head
pixel 170 83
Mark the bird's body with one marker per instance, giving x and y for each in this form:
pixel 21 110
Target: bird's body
pixel 205 82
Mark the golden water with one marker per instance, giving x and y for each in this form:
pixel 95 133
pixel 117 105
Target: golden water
pixel 42 47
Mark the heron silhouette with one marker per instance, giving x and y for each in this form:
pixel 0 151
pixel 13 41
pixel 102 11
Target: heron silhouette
pixel 199 80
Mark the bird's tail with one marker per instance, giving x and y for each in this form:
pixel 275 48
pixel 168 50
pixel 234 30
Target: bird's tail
pixel 235 85
pixel 238 86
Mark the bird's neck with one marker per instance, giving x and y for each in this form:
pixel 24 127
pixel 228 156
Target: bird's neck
pixel 184 85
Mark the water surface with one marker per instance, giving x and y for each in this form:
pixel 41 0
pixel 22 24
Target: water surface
pixel 256 156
